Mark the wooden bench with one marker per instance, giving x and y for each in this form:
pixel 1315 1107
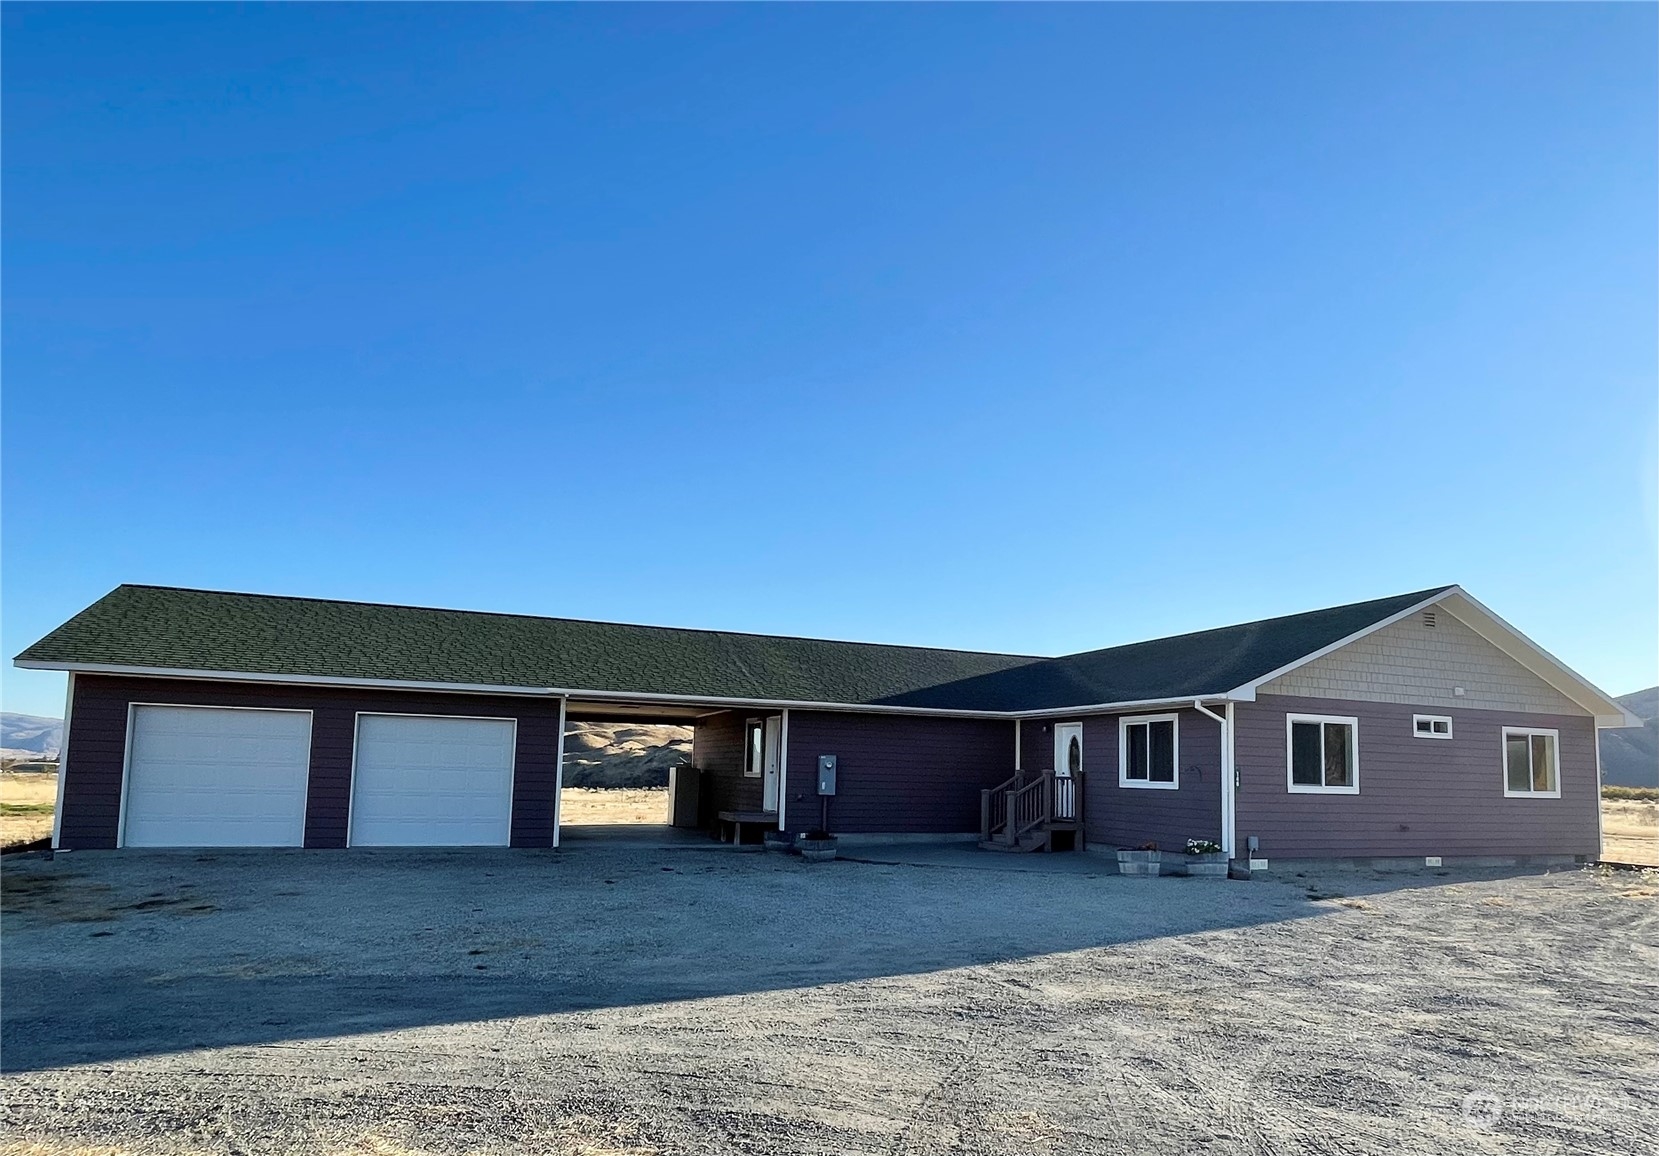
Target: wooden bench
pixel 734 820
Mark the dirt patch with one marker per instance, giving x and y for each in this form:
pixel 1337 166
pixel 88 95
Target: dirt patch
pixel 751 1003
pixel 69 897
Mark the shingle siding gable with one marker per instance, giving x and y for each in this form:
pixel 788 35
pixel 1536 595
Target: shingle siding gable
pixel 1410 662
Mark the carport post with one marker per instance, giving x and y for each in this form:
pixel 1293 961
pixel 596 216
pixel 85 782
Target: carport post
pixel 559 769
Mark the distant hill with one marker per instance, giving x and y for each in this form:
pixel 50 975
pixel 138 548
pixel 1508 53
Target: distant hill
pixel 623 754
pixel 28 736
pixel 1630 758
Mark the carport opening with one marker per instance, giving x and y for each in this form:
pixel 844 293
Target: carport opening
pixel 616 774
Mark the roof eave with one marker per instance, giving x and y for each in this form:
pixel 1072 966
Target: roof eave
pixel 593 694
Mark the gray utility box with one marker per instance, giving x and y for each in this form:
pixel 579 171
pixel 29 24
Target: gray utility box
pixel 826 774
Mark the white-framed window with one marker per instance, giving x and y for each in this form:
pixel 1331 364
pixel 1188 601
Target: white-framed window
pixel 1431 726
pixel 1149 751
pixel 1322 754
pixel 754 747
pixel 1531 763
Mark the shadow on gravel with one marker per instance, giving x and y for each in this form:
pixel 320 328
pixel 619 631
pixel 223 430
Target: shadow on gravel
pixel 116 956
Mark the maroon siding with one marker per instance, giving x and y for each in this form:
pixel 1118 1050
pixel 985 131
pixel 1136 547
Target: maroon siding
pixel 717 751
pixel 97 749
pixel 1118 816
pixel 895 773
pixel 1416 796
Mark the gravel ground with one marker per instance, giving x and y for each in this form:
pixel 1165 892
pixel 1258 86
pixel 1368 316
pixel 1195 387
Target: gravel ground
pixel 608 1000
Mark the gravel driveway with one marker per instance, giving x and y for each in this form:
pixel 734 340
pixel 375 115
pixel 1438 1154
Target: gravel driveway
pixel 608 1000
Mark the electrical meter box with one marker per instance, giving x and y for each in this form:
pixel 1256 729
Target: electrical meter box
pixel 826 774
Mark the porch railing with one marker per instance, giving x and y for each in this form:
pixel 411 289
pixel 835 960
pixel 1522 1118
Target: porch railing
pixel 1027 802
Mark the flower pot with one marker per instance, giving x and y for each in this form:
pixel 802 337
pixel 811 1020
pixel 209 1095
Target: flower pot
pixel 1140 862
pixel 816 850
pixel 1212 865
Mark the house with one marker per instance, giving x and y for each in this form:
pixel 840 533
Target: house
pixel 1405 727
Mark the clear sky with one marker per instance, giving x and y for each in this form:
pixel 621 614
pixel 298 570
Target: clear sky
pixel 1021 328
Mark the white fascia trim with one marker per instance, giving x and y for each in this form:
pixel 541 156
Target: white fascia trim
pixel 1253 685
pixel 1479 618
pixel 1184 700
pixel 487 688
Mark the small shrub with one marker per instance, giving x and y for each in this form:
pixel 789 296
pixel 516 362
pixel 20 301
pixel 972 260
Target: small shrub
pixel 1203 847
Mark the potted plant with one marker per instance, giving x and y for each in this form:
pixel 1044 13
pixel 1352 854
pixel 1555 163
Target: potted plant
pixel 1143 860
pixel 1205 857
pixel 816 846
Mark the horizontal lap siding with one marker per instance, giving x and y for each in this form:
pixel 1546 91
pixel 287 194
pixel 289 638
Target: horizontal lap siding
pixel 92 783
pixel 895 774
pixel 1118 816
pixel 1417 796
pixel 717 751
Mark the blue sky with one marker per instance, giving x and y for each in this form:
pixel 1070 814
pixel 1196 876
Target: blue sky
pixel 1019 328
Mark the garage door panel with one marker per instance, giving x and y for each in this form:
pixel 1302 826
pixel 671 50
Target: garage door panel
pixel 421 781
pixel 217 777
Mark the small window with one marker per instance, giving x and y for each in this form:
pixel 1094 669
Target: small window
pixel 754 747
pixel 1323 753
pixel 1531 767
pixel 1431 726
pixel 1148 751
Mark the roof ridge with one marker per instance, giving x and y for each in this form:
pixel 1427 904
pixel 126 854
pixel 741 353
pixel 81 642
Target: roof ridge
pixel 1412 595
pixel 583 621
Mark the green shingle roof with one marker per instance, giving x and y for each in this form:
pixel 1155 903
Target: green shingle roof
pixel 167 628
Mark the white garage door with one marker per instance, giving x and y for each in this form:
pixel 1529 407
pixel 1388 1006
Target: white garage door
pixel 213 777
pixel 423 781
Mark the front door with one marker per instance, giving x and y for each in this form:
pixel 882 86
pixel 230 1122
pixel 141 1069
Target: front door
pixel 770 763
pixel 1068 763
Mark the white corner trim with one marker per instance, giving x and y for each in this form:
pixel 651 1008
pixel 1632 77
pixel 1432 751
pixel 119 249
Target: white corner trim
pixel 63 759
pixel 1127 721
pixel 783 769
pixel 558 775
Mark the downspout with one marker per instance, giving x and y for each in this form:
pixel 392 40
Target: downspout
pixel 1016 746
pixel 1228 784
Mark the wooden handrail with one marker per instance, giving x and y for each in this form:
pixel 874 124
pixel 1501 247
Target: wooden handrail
pixel 1027 801
pixel 1029 807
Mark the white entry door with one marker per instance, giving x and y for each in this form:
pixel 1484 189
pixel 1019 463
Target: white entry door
pixel 432 781
pixel 770 765
pixel 216 777
pixel 1068 763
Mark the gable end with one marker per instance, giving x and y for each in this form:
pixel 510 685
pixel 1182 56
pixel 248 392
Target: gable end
pixel 1410 661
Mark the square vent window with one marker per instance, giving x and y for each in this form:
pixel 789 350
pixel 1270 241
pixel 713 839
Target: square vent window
pixel 1431 726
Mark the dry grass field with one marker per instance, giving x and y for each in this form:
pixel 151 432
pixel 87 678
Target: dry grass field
pixel 1630 831
pixel 26 803
pixel 585 806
